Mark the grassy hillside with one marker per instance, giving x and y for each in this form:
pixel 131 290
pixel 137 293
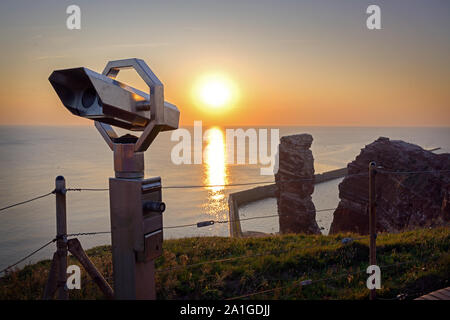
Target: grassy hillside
pixel 411 263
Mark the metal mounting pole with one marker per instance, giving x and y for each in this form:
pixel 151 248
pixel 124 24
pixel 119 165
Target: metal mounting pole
pixel 372 221
pixel 136 229
pixel 61 237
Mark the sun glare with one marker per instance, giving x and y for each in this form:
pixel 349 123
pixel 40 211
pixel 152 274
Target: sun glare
pixel 216 172
pixel 215 94
pixel 215 91
pixel 215 158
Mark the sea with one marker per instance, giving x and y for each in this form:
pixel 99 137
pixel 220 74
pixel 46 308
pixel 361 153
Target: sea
pixel 31 157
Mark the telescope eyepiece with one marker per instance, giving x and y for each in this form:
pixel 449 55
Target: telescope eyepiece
pixel 155 206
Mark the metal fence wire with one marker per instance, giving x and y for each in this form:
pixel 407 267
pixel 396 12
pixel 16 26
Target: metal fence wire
pixel 299 283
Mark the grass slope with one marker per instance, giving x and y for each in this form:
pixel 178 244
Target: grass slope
pixel 412 263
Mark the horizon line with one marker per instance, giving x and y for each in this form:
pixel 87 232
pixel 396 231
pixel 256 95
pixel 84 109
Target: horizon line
pixel 245 126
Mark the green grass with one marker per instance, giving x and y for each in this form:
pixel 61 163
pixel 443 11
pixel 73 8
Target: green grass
pixel 412 263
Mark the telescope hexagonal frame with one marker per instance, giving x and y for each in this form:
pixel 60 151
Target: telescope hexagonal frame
pixel 155 85
pixel 157 104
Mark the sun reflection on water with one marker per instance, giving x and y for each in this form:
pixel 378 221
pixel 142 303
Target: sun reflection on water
pixel 215 172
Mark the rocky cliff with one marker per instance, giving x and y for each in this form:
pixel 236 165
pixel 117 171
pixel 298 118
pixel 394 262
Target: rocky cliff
pixel 295 184
pixel 403 200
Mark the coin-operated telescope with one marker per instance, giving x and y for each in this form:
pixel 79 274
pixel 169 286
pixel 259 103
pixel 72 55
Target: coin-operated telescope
pixel 135 203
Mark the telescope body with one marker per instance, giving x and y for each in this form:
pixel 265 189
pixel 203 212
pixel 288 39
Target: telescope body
pixel 95 96
pixel 136 205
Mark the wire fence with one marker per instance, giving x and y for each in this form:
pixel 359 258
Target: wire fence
pixel 277 253
pixel 28 256
pixel 380 170
pixel 200 224
pixel 305 280
pixel 27 201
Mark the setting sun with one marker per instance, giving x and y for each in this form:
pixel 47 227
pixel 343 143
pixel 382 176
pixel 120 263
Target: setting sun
pixel 214 91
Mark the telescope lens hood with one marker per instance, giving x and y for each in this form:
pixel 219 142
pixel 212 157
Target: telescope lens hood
pixel 88 97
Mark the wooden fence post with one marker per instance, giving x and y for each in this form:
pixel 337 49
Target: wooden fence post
pixel 50 286
pixel 372 221
pixel 77 251
pixel 61 237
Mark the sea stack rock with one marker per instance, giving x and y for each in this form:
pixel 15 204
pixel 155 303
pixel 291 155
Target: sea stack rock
pixel 295 184
pixel 404 200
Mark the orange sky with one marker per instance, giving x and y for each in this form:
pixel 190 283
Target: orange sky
pixel 291 65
